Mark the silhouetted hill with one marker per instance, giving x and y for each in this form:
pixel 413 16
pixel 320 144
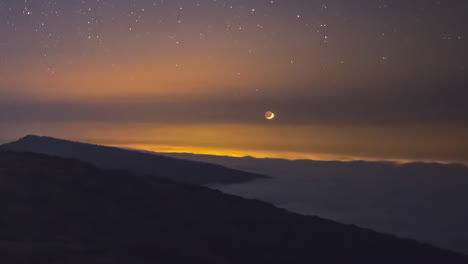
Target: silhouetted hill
pixel 423 201
pixel 116 158
pixel 57 210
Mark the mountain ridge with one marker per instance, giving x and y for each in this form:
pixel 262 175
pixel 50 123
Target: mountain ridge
pixel 142 163
pixel 57 210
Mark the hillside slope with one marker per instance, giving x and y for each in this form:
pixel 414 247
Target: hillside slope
pixel 60 211
pixel 116 158
pixel 423 201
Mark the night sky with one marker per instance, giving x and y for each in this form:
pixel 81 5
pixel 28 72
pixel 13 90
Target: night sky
pixel 364 79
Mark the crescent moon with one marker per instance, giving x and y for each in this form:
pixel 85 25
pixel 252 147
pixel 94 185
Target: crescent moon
pixel 270 115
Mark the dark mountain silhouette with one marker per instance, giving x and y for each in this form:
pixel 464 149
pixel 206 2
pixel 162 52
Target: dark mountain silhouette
pixel 116 158
pixel 423 201
pixel 57 210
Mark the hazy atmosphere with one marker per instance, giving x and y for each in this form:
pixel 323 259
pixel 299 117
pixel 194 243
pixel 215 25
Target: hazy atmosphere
pixel 198 76
pixel 233 131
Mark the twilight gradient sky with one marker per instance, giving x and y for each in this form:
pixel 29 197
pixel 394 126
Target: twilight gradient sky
pixel 364 79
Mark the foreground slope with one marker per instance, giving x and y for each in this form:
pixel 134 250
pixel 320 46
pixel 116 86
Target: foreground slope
pixel 58 210
pixel 423 201
pixel 115 158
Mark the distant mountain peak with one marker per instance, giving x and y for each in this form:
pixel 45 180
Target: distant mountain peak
pixel 138 162
pixel 38 137
pixel 30 137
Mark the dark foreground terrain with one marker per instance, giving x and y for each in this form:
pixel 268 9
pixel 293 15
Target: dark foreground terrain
pixel 57 210
pixel 427 202
pixel 115 158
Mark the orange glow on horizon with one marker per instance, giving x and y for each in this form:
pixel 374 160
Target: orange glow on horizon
pixel 264 154
pixel 267 140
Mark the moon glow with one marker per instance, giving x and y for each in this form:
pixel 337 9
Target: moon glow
pixel 270 115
